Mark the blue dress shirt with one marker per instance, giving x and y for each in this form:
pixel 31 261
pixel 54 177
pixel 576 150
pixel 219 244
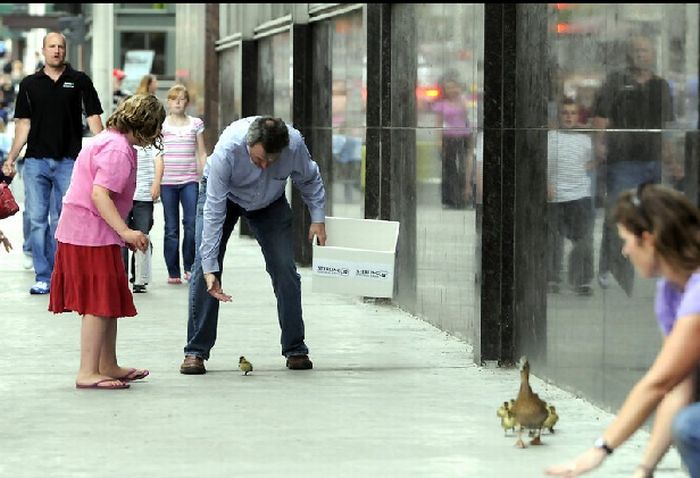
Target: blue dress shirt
pixel 232 175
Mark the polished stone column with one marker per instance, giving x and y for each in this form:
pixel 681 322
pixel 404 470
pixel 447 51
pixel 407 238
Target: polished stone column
pixel 302 94
pixel 513 282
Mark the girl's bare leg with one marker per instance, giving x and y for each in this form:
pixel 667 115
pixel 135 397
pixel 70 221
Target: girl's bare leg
pixel 93 333
pixel 108 357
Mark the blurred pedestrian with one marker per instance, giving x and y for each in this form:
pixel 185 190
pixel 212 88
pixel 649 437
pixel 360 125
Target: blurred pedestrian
pixel 147 85
pixel 118 92
pixel 140 218
pixel 48 119
pixel 636 100
pixel 178 168
pixel 570 211
pixel 457 143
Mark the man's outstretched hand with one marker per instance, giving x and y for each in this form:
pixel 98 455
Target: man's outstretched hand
pixel 214 288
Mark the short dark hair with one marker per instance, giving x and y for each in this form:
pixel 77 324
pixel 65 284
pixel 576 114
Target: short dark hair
pixel 567 100
pixel 271 132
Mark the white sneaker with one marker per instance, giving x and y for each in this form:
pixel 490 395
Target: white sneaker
pixel 605 279
pixel 40 288
pixel 28 262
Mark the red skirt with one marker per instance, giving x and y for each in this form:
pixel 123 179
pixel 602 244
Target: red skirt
pixel 90 280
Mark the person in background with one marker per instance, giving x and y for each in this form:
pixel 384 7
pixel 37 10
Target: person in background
pixel 53 96
pixel 147 85
pixel 140 217
pixel 637 101
pixel 178 168
pixel 118 93
pixel 457 144
pixel 660 231
pixel 570 208
pixel 89 277
pixel 247 176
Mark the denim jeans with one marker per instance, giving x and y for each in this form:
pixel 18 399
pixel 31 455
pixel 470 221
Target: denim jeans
pixel 172 195
pixel 140 218
pixel 686 437
pixel 272 227
pixel 26 225
pixel 46 182
pixel 621 176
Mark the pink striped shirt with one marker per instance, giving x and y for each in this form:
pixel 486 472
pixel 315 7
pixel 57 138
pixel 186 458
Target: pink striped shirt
pixel 180 151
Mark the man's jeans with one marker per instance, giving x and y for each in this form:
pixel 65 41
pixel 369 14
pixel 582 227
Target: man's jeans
pixel 621 176
pixel 686 437
pixel 272 227
pixel 46 182
pixel 172 196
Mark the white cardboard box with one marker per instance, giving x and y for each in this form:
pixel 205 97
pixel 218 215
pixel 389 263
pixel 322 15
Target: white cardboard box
pixel 358 258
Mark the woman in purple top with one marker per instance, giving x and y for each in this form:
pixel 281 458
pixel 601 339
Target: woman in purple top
pixel 457 147
pixel 660 230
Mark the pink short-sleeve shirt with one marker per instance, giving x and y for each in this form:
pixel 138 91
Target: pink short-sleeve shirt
pixel 107 160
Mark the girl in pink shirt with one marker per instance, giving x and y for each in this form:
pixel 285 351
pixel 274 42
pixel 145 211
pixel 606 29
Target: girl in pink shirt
pixel 88 275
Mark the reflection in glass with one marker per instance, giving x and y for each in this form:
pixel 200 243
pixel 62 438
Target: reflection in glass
pixel 632 72
pixel 449 56
pixel 348 114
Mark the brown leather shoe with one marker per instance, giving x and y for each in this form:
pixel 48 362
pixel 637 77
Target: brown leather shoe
pixel 299 362
pixel 193 365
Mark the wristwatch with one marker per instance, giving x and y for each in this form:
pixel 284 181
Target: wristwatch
pixel 602 444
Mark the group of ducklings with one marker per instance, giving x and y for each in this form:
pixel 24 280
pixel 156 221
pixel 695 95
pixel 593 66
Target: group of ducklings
pixel 508 421
pixel 527 411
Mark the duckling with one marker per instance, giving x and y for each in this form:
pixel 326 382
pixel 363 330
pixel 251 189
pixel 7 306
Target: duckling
pixel 529 410
pixel 244 365
pixel 552 419
pixel 501 412
pixel 508 422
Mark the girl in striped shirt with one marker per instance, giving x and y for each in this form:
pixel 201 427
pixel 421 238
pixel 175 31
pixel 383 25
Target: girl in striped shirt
pixel 178 169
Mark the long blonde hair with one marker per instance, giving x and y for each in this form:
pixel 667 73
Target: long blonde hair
pixel 143 88
pixel 142 116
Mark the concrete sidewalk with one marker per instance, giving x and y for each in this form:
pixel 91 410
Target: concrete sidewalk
pixel 389 395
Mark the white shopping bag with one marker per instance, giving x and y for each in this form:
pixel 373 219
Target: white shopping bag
pixel 142 266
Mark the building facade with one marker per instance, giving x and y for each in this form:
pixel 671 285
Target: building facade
pixel 441 117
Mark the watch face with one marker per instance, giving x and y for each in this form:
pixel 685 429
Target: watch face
pixel 601 443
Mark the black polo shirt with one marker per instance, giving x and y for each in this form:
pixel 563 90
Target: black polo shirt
pixel 634 106
pixel 55 111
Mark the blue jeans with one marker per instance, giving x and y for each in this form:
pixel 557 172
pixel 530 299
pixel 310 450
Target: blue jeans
pixel 686 437
pixel 272 227
pixel 46 182
pixel 621 176
pixel 26 225
pixel 172 196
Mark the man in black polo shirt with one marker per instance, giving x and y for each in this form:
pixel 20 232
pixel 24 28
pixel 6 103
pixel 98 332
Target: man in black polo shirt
pixel 638 102
pixel 48 119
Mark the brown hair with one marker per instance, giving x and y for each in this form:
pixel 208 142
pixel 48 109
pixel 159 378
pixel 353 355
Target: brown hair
pixel 142 116
pixel 145 83
pixel 175 91
pixel 670 216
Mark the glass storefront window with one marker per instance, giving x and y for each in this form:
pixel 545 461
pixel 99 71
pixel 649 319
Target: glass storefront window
pixel 449 49
pixel 348 113
pixel 626 77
